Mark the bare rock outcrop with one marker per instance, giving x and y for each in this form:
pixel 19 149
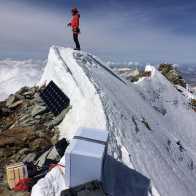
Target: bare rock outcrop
pixel 27 127
pixel 172 74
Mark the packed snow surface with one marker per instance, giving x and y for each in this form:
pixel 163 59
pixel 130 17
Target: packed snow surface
pixel 152 127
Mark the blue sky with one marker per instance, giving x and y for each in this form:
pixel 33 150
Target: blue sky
pixel 136 30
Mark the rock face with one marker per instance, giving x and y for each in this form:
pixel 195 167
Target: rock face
pixel 193 103
pixel 38 110
pixel 172 74
pixel 26 127
pixel 10 100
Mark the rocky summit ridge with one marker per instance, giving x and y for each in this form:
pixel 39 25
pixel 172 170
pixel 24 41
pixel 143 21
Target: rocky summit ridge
pixel 27 128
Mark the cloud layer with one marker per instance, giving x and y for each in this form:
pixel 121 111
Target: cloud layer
pixel 16 74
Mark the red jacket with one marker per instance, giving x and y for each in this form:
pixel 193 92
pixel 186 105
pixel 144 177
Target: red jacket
pixel 75 22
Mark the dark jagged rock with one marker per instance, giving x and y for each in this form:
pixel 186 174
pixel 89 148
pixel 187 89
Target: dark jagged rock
pixel 193 104
pixel 10 100
pixel 38 110
pixel 16 137
pixel 58 119
pixel 4 111
pixel 23 90
pixel 15 104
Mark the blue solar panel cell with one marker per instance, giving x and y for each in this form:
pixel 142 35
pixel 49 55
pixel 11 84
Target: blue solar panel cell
pixel 54 98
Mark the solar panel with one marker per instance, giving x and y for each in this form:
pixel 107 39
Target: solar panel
pixel 54 98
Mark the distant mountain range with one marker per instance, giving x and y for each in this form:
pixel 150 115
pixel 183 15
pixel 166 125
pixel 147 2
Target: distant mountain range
pixel 189 74
pixel 188 71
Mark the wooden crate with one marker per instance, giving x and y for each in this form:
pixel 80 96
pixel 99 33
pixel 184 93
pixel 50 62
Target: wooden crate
pixel 16 172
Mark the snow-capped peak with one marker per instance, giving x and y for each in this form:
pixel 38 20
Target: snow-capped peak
pixel 152 128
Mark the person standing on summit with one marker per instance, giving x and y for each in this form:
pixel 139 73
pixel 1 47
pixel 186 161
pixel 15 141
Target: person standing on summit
pixel 75 25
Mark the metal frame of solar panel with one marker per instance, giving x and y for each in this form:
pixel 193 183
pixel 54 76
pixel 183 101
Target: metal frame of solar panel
pixel 54 98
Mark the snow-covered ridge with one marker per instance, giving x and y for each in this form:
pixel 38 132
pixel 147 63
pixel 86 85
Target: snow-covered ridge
pixel 152 128
pixel 86 109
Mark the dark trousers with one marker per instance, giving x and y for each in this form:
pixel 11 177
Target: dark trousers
pixel 75 37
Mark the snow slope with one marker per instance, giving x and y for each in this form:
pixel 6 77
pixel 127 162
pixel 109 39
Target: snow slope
pixel 86 105
pixel 152 128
